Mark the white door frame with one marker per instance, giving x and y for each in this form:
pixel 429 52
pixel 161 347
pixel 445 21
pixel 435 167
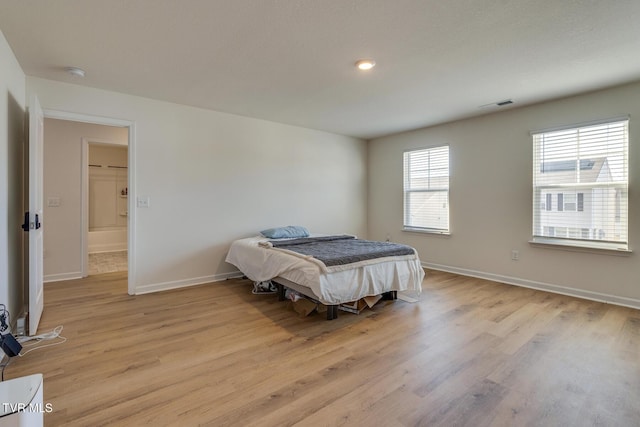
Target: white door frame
pixel 84 198
pixel 131 226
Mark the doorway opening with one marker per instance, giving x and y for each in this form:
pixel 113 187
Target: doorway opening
pixel 81 222
pixel 107 195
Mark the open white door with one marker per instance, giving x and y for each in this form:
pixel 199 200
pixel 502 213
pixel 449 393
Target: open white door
pixel 36 292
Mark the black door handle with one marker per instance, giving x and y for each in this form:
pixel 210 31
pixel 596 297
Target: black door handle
pixel 25 225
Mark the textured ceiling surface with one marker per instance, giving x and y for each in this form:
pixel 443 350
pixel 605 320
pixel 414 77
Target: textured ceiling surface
pixel 292 61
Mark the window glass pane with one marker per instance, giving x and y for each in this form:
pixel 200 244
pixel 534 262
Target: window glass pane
pixel 428 210
pixel 569 201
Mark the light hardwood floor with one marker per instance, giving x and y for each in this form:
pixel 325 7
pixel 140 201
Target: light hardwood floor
pixel 471 352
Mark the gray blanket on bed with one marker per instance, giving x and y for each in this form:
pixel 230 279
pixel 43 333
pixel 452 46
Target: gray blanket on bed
pixel 341 250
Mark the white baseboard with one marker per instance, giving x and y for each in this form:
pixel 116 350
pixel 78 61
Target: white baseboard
pixel 563 290
pixel 62 276
pixel 107 247
pixel 108 252
pixel 165 286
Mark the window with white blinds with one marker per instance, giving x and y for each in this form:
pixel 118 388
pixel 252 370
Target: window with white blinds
pixel 580 182
pixel 426 189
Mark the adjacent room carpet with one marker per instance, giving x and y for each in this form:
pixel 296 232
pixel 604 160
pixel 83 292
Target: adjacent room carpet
pixel 107 262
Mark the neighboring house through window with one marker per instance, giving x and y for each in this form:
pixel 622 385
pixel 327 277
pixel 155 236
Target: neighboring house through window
pixel 426 190
pixel 584 170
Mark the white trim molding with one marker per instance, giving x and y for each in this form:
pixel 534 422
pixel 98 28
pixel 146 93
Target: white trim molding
pixel 85 118
pixel 581 124
pixel 62 276
pixel 177 284
pixel 106 248
pixel 547 287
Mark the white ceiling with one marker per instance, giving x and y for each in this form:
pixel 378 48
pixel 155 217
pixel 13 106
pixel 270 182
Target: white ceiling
pixel 291 61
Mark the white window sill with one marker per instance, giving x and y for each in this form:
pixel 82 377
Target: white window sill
pixel 427 231
pixel 581 246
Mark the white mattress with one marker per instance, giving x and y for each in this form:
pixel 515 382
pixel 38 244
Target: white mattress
pixel 260 264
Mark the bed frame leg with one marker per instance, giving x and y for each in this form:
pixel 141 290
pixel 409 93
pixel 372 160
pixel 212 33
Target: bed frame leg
pixel 281 294
pixel 332 312
pixel 391 295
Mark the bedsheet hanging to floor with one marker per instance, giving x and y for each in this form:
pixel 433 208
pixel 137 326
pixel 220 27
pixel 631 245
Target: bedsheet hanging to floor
pixel 260 261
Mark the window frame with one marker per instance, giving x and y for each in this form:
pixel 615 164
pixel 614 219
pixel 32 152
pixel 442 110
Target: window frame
pixel 580 244
pixel 406 200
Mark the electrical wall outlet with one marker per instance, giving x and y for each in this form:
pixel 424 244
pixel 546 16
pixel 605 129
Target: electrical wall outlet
pixel 515 255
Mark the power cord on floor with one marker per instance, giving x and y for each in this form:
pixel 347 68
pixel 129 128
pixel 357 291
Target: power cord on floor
pixel 54 334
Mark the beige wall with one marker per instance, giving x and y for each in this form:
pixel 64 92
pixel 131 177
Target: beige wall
pixel 490 199
pixel 12 110
pixel 109 155
pixel 214 177
pixel 62 180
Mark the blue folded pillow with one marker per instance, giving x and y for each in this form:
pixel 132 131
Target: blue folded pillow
pixel 288 232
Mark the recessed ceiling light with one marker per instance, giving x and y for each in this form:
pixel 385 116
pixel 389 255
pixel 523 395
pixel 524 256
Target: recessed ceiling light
pixel 75 71
pixel 365 64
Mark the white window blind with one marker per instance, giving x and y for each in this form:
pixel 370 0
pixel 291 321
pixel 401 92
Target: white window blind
pixel 426 189
pixel 580 185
